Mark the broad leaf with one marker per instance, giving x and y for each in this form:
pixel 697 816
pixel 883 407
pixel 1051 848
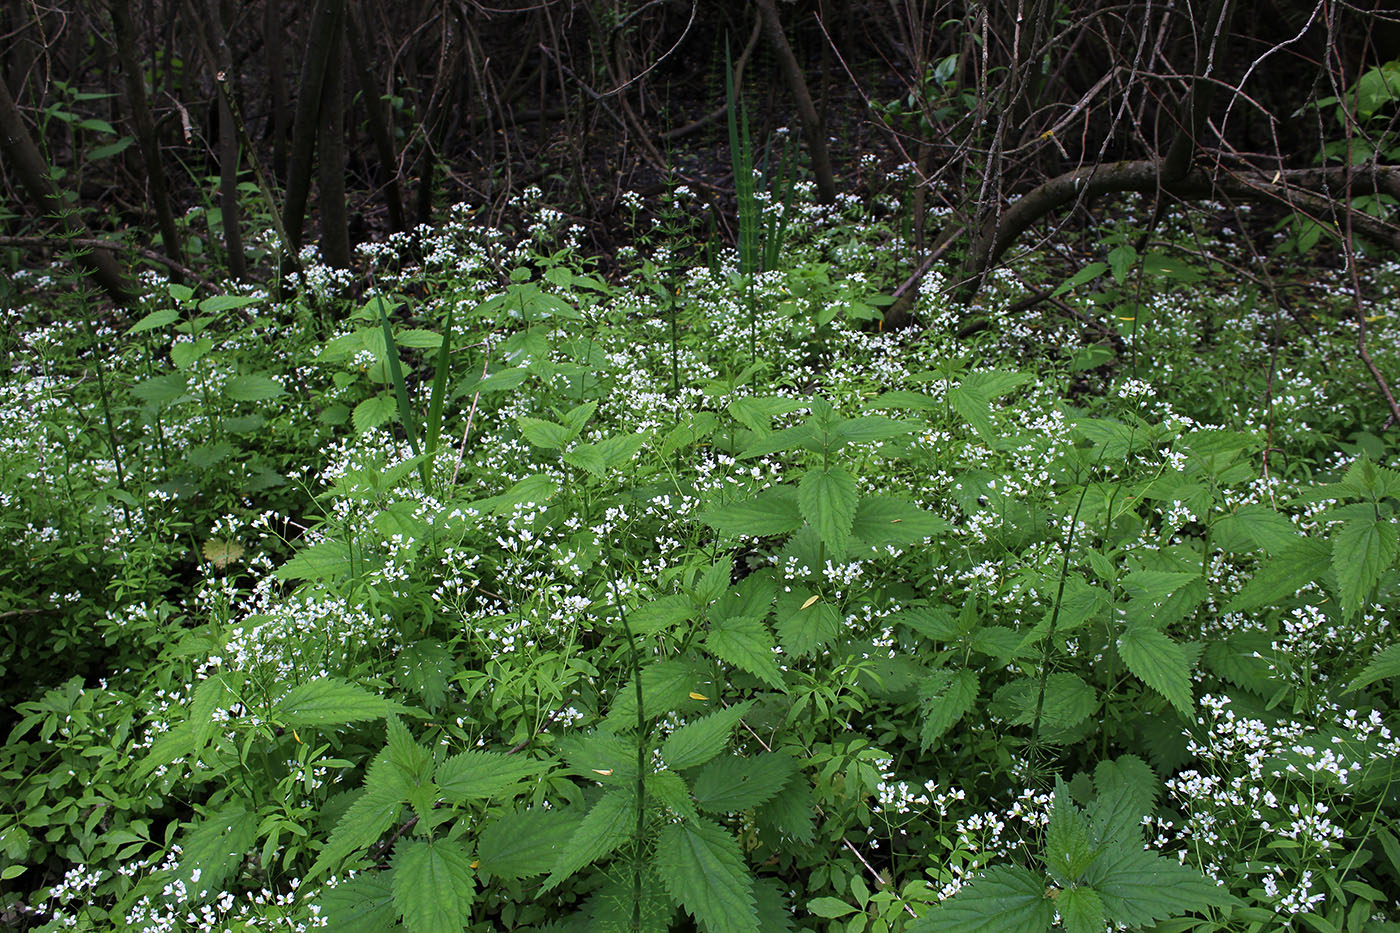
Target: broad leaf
pixel 1006 899
pixel 697 742
pixel 944 697
pixel 881 522
pixel 703 869
pixel 730 784
pixel 368 818
pixel 372 412
pixel 362 904
pixel 772 512
pixel 746 643
pixel 1160 663
pixel 1383 666
pixel 544 434
pixel 1361 552
pixel 609 824
pixel 433 885
pixel 330 701
pixel 1081 910
pixel 213 848
pixel 520 844
pixel 1140 887
pixel 828 499
pixel 477 775
pixel 253 388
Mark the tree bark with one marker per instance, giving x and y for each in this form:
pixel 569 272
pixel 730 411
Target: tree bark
pixel 24 160
pixel 378 123
pixel 335 232
pixel 304 126
pixel 812 129
pixel 222 67
pixel 124 31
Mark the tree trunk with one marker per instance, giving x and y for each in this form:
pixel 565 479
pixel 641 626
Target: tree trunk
pixel 811 124
pixel 379 130
pixel 304 127
pixel 144 128
pixel 25 162
pixel 222 65
pixel 335 232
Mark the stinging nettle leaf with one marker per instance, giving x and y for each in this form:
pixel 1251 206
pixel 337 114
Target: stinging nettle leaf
pixel 1363 550
pixel 433 885
pixel 697 742
pixel 828 497
pixel 746 643
pixel 1160 663
pixel 330 701
pixel 774 511
pixel 1006 899
pixel 703 869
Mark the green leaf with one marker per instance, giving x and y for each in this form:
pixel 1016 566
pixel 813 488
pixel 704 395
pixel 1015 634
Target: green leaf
pixel 521 844
pixel 803 625
pixel 827 497
pixel 1281 576
pixel 697 742
pixel 186 353
pixel 665 685
pixel 702 868
pixel 372 412
pixel 216 303
pixel 211 695
pixel 1267 528
pixel 1087 274
pixel 330 701
pixel 253 388
pixel 774 511
pixel 880 521
pixel 1156 585
pixel 1140 887
pixel 944 697
pixel 829 907
pixel 162 390
pixel 746 643
pixel 433 885
pixel 610 909
pixel 1068 850
pixel 1081 910
pixel 1361 552
pixel 362 904
pixel 154 320
pixel 609 824
pixel 792 812
pixel 368 818
pixel 544 434
pixel 671 791
pixel 214 848
pixel 1007 899
pixel 731 784
pixel 1160 663
pixel 871 428
pixel 477 775
pixel 1383 666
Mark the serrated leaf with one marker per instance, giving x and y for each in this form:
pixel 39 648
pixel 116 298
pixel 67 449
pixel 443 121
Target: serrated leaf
pixel 697 742
pixel 944 697
pixel 827 497
pixel 804 625
pixel 367 818
pixel 702 868
pixel 162 390
pixel 746 643
pixel 611 908
pixel 792 438
pixel 601 755
pixel 1132 774
pixel 362 904
pixel 791 812
pixel 521 844
pixel 1361 552
pixel 213 848
pixel 871 428
pixel 330 701
pixel 1158 662
pixel 1140 887
pixel 608 824
pixel 1282 576
pixel 665 685
pixel 323 560
pixel 372 412
pixel 1268 529
pixel 772 512
pixel 216 303
pixel 477 775
pixel 1068 700
pixel 731 784
pixel 1068 849
pixel 418 339
pixel 880 521
pixel 544 434
pixel 1156 585
pixel 253 387
pixel 1383 666
pixel 433 885
pixel 670 790
pixel 1006 899
pixel 211 695
pixel 1081 910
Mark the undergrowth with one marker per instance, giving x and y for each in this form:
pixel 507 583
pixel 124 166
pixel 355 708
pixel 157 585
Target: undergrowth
pixel 498 593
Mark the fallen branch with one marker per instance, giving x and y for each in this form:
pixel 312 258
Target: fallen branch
pixel 59 242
